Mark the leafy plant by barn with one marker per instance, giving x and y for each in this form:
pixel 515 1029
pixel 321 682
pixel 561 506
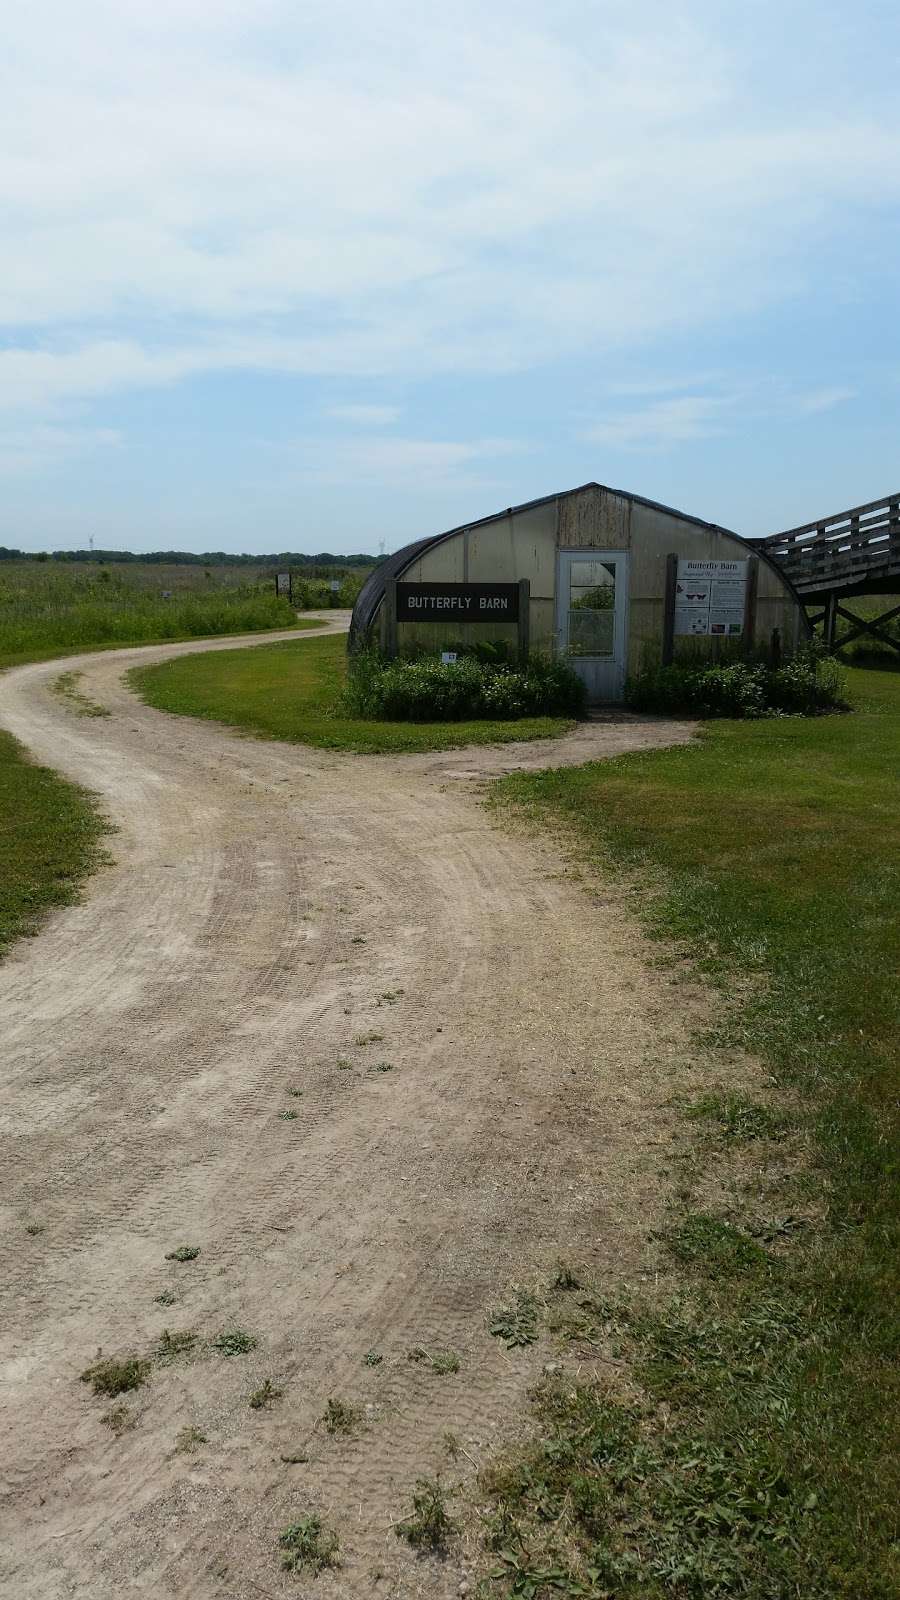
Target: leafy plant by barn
pixel 428 690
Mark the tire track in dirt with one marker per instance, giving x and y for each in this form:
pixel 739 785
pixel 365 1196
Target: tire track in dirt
pixel 150 1038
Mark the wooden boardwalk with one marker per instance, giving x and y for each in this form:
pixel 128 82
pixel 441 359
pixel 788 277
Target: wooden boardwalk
pixel 851 553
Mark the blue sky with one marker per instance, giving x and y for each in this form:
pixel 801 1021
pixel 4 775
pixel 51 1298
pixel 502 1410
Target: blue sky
pixel 325 275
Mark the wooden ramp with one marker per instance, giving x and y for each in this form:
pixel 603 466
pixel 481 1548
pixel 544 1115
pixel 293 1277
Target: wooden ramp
pixel 851 553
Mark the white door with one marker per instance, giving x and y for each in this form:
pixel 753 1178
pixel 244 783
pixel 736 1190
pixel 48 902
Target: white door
pixel 592 616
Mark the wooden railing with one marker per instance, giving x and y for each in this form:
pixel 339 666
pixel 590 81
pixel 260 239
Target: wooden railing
pixel 856 547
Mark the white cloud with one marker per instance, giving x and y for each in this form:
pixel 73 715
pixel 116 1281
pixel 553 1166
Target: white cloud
pixel 344 189
pixel 40 448
pixel 664 422
pixel 397 462
pixel 819 400
pixel 684 418
pixel 365 416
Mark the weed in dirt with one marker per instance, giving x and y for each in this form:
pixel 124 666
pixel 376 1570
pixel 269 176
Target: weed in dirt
pixel 738 1119
pixel 118 1419
pixel 341 1417
pixel 516 1324
pixel 343 1065
pixel 389 997
pixel 173 1345
pixel 358 939
pixel 34 1228
pixel 308 1546
pixel 714 1246
pixel 440 1361
pixel 566 1277
pixel 372 1359
pixel 297 1093
pixel 234 1342
pixel 111 1377
pixel 189 1439
pixel 383 1066
pixel 452 1444
pixel 265 1396
pixel 66 686
pixel 295 1458
pixel 368 1038
pixel 185 1252
pixel 288 1116
pixel 166 1298
pixel 429 1525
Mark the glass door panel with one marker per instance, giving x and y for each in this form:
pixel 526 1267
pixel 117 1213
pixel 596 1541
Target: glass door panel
pixel 592 608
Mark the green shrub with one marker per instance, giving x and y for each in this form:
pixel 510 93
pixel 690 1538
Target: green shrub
pixel 316 594
pixel 807 684
pixel 426 690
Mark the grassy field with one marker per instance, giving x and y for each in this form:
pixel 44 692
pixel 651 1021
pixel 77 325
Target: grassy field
pixel 866 651
pixel 51 839
pixel 51 608
pixel 282 691
pixel 762 1459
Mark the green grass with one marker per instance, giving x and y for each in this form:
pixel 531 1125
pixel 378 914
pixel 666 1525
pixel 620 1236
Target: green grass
pixel 278 691
pixel 50 839
pixel 308 1545
pixel 112 1377
pixel 769 858
pixel 51 608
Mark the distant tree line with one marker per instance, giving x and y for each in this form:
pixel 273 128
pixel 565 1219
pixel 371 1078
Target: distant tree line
pixel 209 558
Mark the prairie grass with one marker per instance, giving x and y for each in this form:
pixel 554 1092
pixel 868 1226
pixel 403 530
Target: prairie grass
pixel 50 608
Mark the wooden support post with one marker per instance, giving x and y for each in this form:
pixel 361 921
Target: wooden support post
pixel 668 636
pixel 750 602
pixel 829 627
pixel 524 618
pixel 389 636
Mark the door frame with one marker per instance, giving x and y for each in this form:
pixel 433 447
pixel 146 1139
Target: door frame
pixel 619 659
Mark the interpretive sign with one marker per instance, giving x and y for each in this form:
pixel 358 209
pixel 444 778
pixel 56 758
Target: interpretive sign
pixel 457 602
pixel 710 598
pixel 283 584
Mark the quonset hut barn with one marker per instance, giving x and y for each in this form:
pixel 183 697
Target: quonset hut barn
pixel 608 579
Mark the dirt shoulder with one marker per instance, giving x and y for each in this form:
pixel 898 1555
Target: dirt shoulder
pixel 269 908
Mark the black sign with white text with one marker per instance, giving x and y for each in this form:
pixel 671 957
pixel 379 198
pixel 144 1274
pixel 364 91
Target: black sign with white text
pixel 457 602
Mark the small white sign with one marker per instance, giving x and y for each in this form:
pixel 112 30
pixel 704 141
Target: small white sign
pixel 447 656
pixel 334 585
pixel 709 598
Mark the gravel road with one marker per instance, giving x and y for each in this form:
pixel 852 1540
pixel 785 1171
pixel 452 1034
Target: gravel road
pixel 379 1058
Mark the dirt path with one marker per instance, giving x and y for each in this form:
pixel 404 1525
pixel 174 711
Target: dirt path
pixel 270 906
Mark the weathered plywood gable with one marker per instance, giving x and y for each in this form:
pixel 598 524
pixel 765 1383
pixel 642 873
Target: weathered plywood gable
pixel 594 519
pixel 520 546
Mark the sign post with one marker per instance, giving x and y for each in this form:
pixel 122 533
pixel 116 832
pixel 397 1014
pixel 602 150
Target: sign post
pixel 524 619
pixel 284 585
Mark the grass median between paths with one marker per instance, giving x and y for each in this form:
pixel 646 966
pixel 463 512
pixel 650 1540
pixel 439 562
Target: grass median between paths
pixel 290 691
pixel 763 1459
pixel 50 839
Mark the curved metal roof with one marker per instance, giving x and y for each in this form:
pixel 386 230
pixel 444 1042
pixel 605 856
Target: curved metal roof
pixel 372 592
